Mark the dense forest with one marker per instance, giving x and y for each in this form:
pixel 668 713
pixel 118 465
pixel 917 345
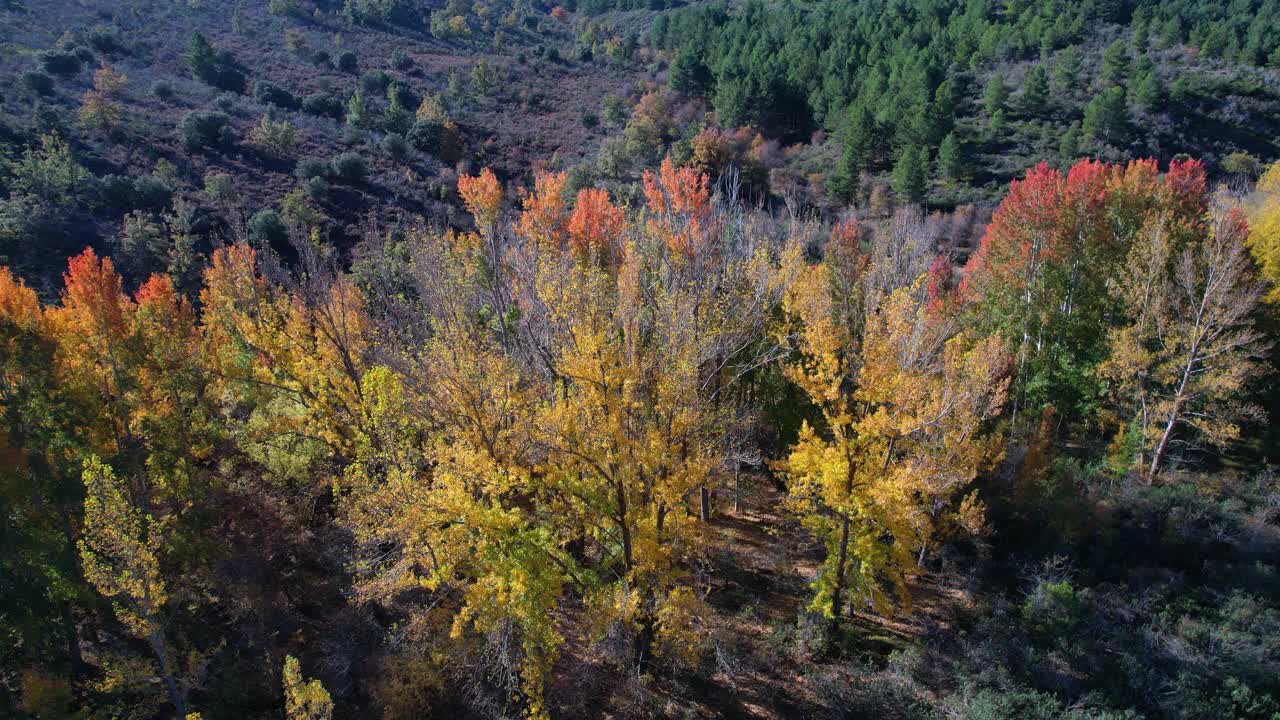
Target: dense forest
pixel 505 358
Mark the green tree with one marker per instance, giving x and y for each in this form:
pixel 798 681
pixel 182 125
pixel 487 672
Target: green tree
pixel 1035 91
pixel 1149 92
pixel 995 95
pixel 859 139
pixel 1067 68
pixel 911 174
pixel 950 159
pixel 1115 63
pixel 357 110
pixel 1106 117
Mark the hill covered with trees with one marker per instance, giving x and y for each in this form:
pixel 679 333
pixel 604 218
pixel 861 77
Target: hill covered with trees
pixel 397 359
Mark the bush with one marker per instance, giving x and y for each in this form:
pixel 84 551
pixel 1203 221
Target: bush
pixel 346 62
pixel 350 166
pixel 38 82
pixel 60 62
pixel 105 41
pixel 220 187
pixel 267 227
pixel 278 138
pixel 396 146
pixel 269 93
pixel 376 82
pixel 316 188
pixel 204 128
pixel 309 168
pixel 324 105
pixel 322 58
pixel 227 103
pixel 163 89
pixel 401 61
pixel 115 192
pixel 151 192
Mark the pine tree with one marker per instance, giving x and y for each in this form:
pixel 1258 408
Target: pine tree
pixel 911 174
pixel 1035 91
pixel 950 158
pixel 357 110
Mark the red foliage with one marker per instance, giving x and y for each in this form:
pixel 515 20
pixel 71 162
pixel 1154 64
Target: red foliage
pixel 92 297
pixel 597 225
pixel 681 202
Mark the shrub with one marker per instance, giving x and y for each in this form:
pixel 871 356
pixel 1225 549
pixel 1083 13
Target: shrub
pixel 219 187
pixel 323 104
pixel 309 168
pixel 395 145
pixel 266 227
pixel 316 188
pixel 60 62
pixel 350 166
pixel 204 128
pixel 105 41
pixel 211 67
pixel 590 119
pixel 376 82
pixel 276 137
pixel 141 243
pixel 38 82
pixel 85 55
pixel 115 192
pixel 227 103
pixel 322 58
pixel 269 93
pixel 163 89
pixel 346 61
pixel 401 61
pixel 151 192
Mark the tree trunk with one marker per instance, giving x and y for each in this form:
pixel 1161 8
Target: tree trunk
pixel 156 640
pixel 704 503
pixel 841 558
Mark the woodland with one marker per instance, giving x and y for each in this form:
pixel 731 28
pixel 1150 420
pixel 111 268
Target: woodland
pixel 617 359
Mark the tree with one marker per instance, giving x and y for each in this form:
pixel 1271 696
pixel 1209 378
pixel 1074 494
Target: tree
pixel 1149 92
pixel 1035 91
pixel 357 111
pixel 995 95
pixel 120 555
pixel 482 79
pixel 303 699
pixel 858 137
pixel 1115 64
pixel 97 109
pixel 278 138
pixel 1106 117
pixel 911 174
pixel 1190 348
pixel 688 74
pixel 903 408
pixel 950 158
pixel 1264 228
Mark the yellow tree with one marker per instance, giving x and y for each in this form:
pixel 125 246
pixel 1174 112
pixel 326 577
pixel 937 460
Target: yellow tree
pixel 1264 228
pixel 1189 348
pixel 905 409
pixel 120 556
pixel 295 353
pixel 303 699
pixel 443 476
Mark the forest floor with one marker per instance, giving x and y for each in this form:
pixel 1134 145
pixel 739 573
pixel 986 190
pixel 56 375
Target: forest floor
pixel 765 662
